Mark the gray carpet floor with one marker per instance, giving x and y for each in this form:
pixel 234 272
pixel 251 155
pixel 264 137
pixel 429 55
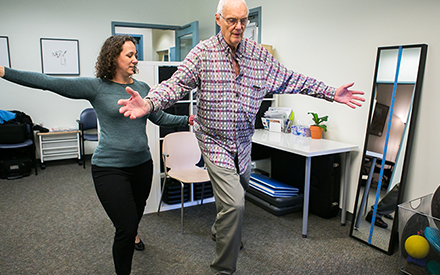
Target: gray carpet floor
pixel 53 223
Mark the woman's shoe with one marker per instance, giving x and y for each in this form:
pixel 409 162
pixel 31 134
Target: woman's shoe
pixel 139 246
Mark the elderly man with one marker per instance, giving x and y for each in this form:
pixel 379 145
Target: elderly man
pixel 232 75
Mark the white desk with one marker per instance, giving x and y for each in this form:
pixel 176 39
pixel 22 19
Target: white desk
pixel 308 147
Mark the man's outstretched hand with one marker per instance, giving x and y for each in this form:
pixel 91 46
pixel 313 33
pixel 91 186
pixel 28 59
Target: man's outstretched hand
pixel 135 106
pixel 345 96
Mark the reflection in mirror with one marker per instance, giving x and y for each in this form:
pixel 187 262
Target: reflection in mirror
pixel 393 110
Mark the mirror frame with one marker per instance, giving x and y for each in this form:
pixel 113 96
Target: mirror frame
pixel 410 138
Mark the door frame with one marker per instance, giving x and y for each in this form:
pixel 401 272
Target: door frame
pixel 191 28
pixel 142 26
pixel 175 28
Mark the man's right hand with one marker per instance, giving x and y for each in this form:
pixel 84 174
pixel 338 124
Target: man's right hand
pixel 135 106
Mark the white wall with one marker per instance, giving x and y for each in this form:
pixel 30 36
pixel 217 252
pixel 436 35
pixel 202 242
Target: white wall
pixel 334 41
pixel 27 21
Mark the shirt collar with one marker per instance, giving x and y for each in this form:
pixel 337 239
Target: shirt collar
pixel 227 49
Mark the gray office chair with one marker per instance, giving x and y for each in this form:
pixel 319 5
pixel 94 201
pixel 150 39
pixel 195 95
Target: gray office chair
pixel 87 123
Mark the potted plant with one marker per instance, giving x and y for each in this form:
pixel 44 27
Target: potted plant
pixel 317 128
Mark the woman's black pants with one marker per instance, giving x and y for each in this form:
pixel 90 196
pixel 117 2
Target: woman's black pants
pixel 123 193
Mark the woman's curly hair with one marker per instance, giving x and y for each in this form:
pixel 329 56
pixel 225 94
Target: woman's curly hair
pixel 106 64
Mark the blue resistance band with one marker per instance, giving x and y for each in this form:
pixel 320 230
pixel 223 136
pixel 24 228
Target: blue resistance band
pixel 382 168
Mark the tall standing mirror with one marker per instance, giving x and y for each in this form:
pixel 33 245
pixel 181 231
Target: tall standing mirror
pixel 393 110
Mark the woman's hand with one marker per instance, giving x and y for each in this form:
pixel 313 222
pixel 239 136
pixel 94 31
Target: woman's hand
pixel 191 120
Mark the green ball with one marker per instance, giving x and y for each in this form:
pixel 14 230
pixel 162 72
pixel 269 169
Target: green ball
pixel 417 246
pixel 432 267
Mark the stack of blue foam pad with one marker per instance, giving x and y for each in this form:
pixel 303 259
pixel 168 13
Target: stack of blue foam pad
pixel 272 187
pixel 274 196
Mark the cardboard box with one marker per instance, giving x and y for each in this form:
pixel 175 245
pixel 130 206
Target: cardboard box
pixel 268 47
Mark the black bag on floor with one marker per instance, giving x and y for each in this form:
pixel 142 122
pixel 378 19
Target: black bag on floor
pixel 15 168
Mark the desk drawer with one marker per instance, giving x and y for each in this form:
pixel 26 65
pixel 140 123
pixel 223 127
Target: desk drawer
pixel 59 144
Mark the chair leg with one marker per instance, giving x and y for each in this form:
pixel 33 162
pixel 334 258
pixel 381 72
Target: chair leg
pixel 83 153
pixel 203 192
pixel 161 194
pixel 35 166
pixel 181 209
pixel 34 158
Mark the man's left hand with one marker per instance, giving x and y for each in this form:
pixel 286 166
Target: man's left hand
pixel 345 96
pixel 135 106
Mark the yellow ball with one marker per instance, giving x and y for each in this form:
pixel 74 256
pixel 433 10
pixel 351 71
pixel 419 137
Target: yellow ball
pixel 417 246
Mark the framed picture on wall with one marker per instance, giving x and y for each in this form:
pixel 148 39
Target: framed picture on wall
pixel 379 119
pixel 59 56
pixel 5 59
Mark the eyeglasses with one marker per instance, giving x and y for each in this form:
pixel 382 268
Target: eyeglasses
pixel 234 21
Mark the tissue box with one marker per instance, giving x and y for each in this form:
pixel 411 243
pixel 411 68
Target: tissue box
pixel 415 219
pixel 301 131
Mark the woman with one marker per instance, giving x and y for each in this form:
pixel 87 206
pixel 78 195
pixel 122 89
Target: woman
pixel 121 164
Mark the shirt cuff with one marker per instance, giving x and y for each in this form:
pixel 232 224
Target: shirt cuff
pixel 330 95
pixel 151 104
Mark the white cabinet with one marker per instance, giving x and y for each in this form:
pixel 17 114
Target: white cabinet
pixel 59 145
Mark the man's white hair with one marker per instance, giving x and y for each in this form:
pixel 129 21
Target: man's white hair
pixel 222 3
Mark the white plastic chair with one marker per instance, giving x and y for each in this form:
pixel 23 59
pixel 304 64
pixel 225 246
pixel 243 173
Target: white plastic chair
pixel 181 153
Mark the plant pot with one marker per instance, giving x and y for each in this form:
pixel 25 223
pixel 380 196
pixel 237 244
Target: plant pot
pixel 315 131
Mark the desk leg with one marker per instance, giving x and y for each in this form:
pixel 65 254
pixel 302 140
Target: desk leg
pixel 41 148
pixel 344 194
pixel 306 196
pixel 366 193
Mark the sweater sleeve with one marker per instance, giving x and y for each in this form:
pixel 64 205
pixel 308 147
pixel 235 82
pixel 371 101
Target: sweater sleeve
pixel 75 88
pixel 167 120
